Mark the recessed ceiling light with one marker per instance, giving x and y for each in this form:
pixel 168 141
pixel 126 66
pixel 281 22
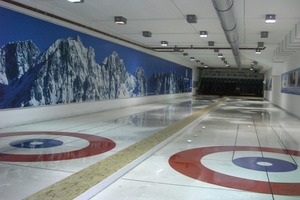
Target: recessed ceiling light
pixel 147 34
pixel 270 19
pixel 203 34
pixel 257 51
pixel 260 44
pixel 264 34
pixel 76 1
pixel 191 18
pixel 164 43
pixel 211 43
pixel 120 20
pixel 192 58
pixel 220 55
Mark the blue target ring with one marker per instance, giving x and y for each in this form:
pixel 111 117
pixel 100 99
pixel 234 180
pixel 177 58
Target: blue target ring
pixel 265 164
pixel 36 143
pixel 97 145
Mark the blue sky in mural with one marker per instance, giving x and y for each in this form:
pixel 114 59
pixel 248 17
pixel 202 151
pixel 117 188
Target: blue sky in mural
pixel 20 27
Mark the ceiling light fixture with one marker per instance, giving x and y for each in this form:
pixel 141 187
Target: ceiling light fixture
pixel 260 44
pixel 203 34
pixel 191 18
pixel 220 55
pixel 76 1
pixel 257 51
pixel 192 58
pixel 164 43
pixel 216 50
pixel 270 18
pixel 264 34
pixel 211 43
pixel 120 20
pixel 147 34
pixel 185 54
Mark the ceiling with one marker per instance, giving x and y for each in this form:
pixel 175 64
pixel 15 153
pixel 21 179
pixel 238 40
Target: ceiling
pixel 166 20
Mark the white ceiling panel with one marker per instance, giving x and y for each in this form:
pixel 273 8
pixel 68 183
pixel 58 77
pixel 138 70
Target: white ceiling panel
pixel 166 19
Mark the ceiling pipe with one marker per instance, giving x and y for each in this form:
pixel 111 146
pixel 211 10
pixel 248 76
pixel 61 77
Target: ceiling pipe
pixel 225 11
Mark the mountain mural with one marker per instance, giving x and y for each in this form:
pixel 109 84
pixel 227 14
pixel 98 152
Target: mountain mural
pixel 166 83
pixel 67 72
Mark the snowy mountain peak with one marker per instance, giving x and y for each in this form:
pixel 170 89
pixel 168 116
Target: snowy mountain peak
pixel 67 72
pixel 16 59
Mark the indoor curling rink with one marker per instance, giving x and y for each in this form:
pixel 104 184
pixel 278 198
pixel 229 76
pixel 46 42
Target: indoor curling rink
pixel 239 148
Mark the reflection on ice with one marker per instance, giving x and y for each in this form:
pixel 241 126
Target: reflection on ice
pixel 166 116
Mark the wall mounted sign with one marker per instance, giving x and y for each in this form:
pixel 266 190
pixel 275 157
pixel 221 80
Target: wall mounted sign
pixel 290 82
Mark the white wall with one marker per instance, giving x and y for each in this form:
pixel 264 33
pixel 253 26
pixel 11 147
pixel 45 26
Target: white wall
pixel 288 102
pixel 13 117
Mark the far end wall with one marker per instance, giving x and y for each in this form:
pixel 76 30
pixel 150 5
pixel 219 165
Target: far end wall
pixel 230 82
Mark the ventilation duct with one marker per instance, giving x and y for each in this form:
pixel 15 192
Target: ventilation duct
pixel 225 11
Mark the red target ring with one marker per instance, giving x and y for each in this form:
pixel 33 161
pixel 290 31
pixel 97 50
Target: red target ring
pixel 97 145
pixel 188 163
